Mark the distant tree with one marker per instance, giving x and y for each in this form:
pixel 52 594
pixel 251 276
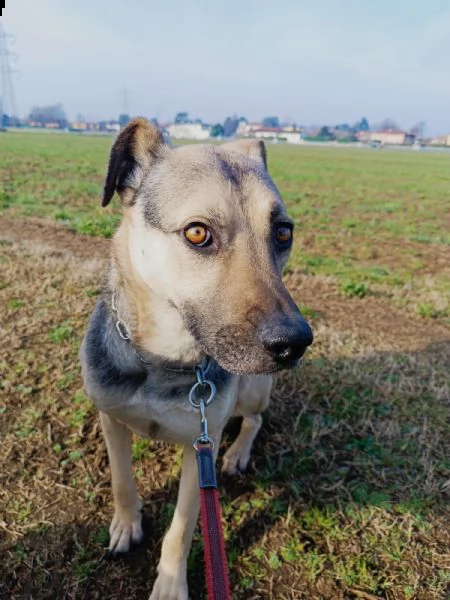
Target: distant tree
pixel 325 133
pixel 217 130
pixel 271 122
pixel 362 125
pixel 124 119
pixel 182 117
pixel 49 114
pixel 343 127
pixel 388 124
pixel 8 120
pixel 418 130
pixel 230 126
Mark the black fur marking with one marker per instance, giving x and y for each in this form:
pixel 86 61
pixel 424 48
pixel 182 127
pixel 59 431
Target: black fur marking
pixel 115 368
pixel 152 214
pixel 232 172
pixel 107 354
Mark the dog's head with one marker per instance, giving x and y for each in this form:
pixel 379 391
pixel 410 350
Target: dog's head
pixel 209 235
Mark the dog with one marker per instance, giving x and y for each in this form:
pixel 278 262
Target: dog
pixel 195 278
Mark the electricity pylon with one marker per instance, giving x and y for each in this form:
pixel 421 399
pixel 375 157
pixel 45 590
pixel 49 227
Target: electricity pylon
pixel 8 107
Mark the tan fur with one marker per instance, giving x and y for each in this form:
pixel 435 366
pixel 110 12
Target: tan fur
pixel 253 148
pixel 180 304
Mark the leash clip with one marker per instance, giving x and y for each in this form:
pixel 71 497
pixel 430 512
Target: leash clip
pixel 203 439
pixel 201 394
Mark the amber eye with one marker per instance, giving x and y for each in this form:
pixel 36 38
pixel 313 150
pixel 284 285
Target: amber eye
pixel 283 235
pixel 198 234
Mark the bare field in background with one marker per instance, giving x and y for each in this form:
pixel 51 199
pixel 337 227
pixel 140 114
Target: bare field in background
pixel 347 495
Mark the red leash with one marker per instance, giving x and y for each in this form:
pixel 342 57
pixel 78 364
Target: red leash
pixel 216 567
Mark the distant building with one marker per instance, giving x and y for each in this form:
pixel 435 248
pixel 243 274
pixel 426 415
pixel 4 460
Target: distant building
pixel 267 133
pixel 188 131
pixel 112 126
pixel 363 136
pixel 247 129
pixel 440 140
pixel 394 137
pixel 291 137
pixel 276 134
pixel 84 126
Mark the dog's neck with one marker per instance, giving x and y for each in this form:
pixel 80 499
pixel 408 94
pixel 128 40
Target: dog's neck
pixel 155 327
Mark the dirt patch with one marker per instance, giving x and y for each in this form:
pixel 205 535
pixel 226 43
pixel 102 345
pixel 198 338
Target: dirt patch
pixel 433 256
pixel 53 236
pixel 376 321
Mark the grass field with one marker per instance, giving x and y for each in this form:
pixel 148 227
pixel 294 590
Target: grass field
pixel 347 496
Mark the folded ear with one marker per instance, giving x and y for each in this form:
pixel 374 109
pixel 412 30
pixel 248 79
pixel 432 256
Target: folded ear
pixel 253 148
pixel 137 146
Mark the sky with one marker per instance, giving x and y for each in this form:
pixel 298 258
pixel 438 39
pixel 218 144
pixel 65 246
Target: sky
pixel 311 62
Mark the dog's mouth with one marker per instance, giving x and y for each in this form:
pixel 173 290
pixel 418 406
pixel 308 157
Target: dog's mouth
pixel 260 367
pixel 266 370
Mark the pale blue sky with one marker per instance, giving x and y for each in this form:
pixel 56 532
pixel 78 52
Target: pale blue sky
pixel 322 62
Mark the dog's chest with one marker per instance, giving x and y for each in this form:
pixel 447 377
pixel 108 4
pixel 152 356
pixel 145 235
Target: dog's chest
pixel 170 416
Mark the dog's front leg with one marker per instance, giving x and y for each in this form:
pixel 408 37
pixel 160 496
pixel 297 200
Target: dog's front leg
pixel 126 524
pixel 171 583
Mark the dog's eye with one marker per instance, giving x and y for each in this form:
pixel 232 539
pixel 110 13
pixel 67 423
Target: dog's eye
pixel 283 235
pixel 198 235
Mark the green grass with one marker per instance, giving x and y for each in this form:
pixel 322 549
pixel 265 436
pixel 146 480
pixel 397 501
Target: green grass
pixel 59 177
pixel 347 494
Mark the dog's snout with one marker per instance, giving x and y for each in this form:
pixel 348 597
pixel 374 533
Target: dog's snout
pixel 287 343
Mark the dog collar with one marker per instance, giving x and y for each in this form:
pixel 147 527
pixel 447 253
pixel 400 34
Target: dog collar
pixel 124 333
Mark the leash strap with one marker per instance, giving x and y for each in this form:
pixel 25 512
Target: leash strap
pixel 216 566
pixel 201 395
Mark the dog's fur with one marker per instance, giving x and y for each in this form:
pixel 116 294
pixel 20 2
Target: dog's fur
pixel 181 305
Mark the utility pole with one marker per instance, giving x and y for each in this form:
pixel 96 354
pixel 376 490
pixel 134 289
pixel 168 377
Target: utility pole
pixel 8 106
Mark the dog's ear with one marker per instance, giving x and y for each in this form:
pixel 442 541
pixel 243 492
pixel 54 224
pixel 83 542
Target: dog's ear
pixel 137 146
pixel 253 148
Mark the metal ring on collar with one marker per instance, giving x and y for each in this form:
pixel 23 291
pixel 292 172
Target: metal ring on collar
pixel 212 392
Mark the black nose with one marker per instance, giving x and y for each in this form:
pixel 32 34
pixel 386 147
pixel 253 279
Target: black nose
pixel 287 343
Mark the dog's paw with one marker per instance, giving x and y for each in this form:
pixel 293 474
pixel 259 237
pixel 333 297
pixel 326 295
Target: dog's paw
pixel 235 459
pixel 125 528
pixel 169 587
